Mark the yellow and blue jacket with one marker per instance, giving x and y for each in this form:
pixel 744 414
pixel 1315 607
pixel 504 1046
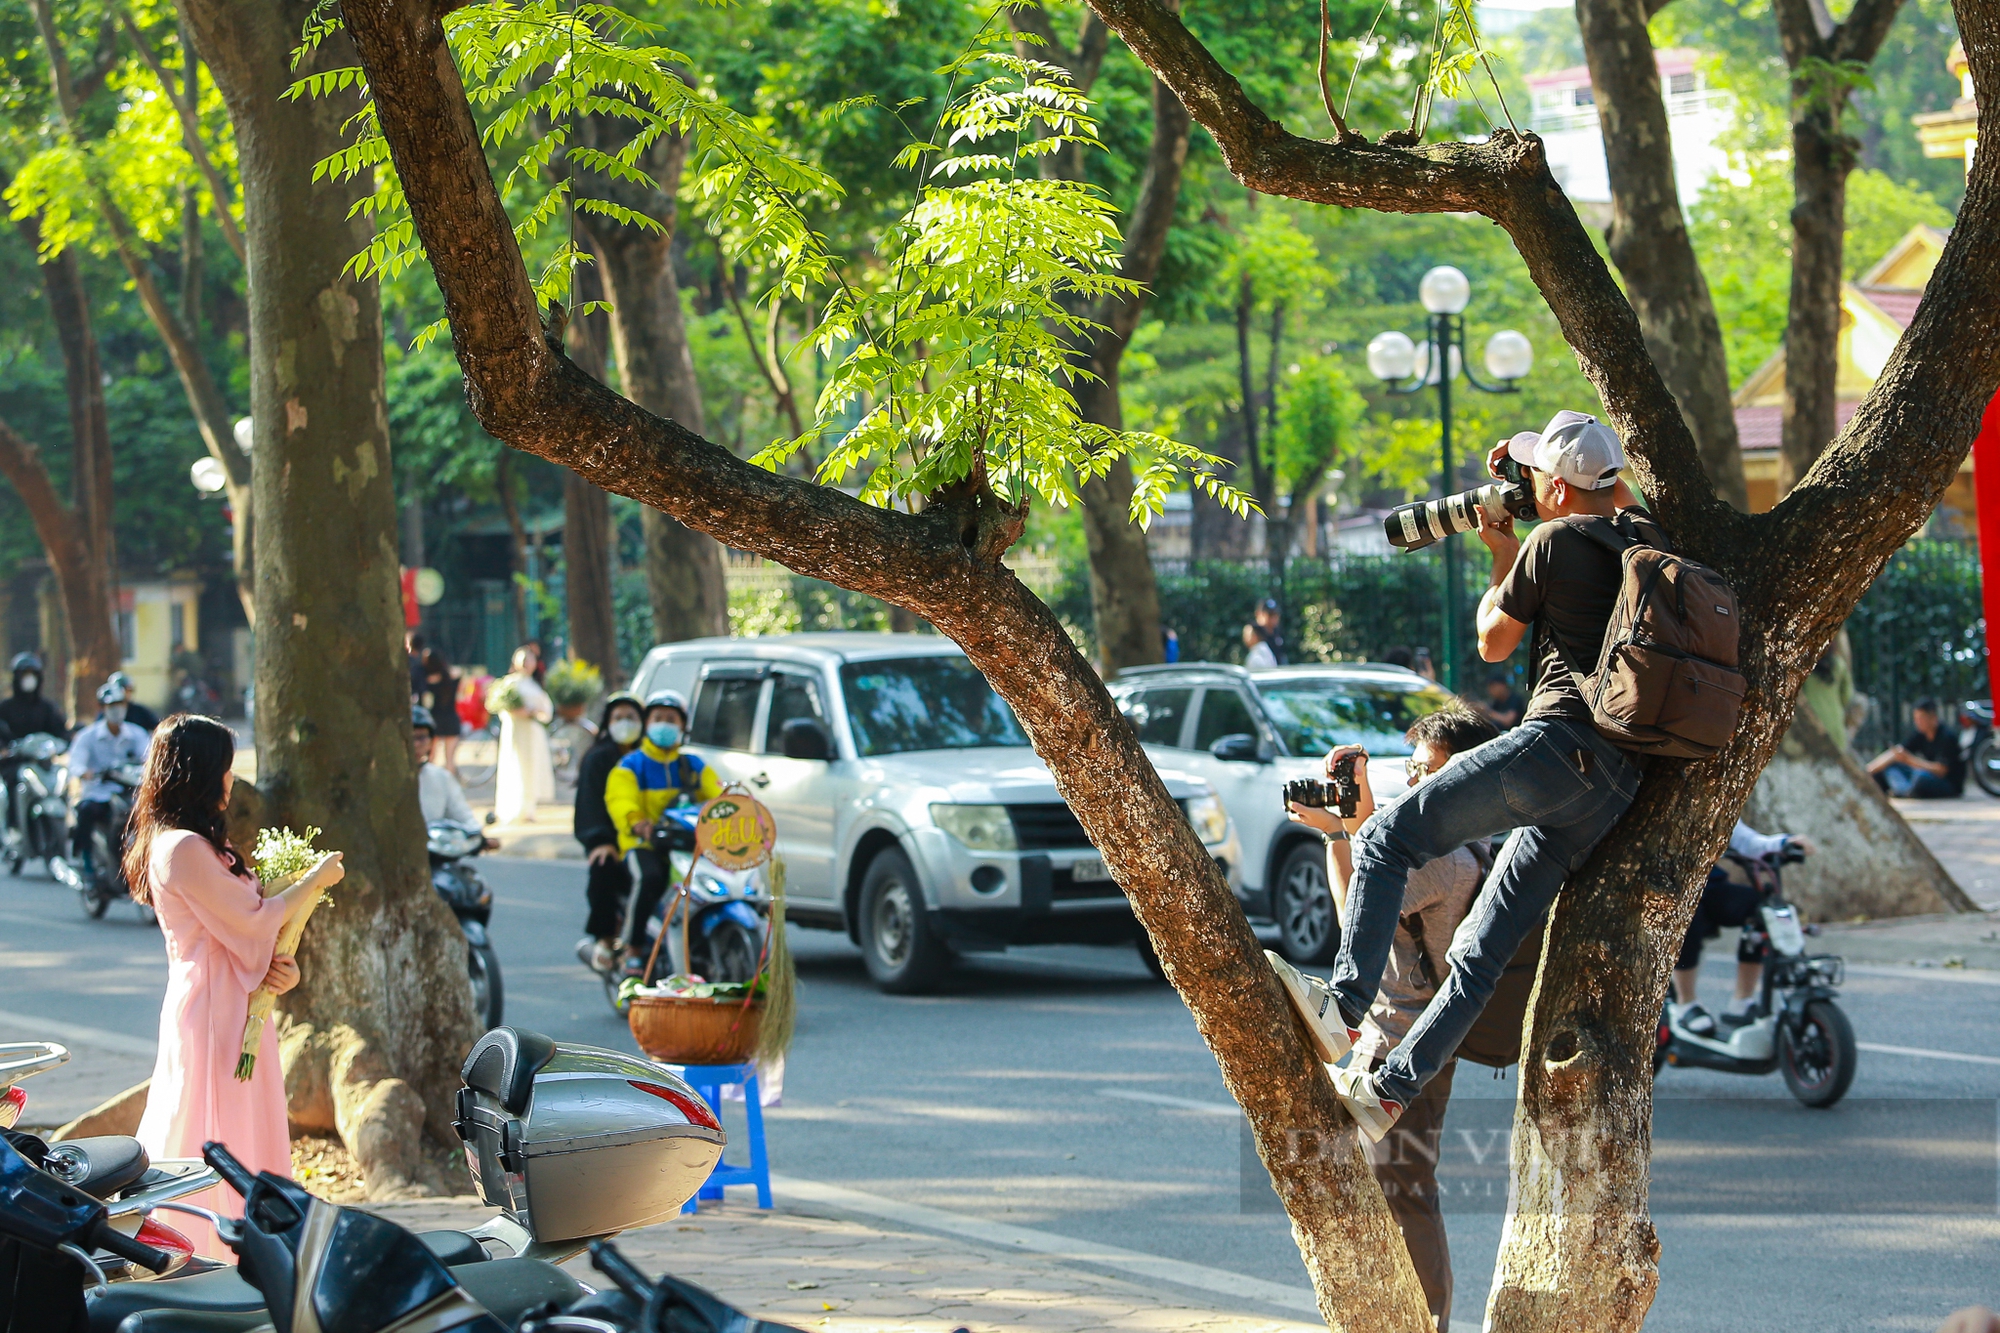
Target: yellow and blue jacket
pixel 649 780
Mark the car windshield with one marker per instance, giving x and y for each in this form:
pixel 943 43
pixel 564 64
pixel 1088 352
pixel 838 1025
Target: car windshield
pixel 1312 716
pixel 924 703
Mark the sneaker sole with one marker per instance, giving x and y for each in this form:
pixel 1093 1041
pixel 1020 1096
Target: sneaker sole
pixel 1374 1122
pixel 1331 1050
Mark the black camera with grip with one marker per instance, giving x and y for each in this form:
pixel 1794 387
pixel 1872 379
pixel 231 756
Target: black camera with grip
pixel 1339 793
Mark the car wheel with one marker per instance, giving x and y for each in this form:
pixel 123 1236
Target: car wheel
pixel 904 953
pixel 1309 933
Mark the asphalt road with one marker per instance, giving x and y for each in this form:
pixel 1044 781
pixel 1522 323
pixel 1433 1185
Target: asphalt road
pixel 1063 1090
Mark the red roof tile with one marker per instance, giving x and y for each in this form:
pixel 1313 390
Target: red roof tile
pixel 1898 303
pixel 1763 427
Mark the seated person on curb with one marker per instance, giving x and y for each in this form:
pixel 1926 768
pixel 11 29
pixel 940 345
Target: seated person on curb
pixel 98 748
pixel 1725 902
pixel 1555 779
pixel 438 792
pixel 1435 899
pixel 645 783
pixel 1927 766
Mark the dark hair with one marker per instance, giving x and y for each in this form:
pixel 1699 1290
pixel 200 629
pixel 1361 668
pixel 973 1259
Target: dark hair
pixel 182 790
pixel 1453 727
pixel 1398 656
pixel 1925 705
pixel 434 662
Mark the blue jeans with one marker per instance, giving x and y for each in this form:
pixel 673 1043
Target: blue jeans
pixel 1561 786
pixel 1903 780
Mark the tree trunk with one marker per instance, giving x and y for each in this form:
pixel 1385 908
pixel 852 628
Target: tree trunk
pixel 590 547
pixel 1579 1251
pixel 1649 237
pixel 1822 157
pixel 90 430
pixel 376 1030
pixel 684 576
pixel 80 582
pixel 517 542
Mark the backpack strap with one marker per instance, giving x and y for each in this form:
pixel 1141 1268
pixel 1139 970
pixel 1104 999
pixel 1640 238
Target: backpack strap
pixel 1616 536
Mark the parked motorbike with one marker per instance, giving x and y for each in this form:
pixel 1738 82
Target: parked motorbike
pixel 34 830
pixel 1976 743
pixel 115 1172
pixel 452 847
pixel 573 1143
pixel 98 875
pixel 1795 1027
pixel 729 921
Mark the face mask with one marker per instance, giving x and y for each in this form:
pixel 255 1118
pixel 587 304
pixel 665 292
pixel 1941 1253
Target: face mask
pixel 664 734
pixel 30 683
pixel 625 730
pixel 114 713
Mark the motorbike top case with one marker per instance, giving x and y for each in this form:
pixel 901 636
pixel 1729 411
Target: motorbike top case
pixel 577 1141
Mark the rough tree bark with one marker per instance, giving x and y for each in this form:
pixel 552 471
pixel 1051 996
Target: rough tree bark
pixel 375 1032
pixel 80 578
pixel 1822 158
pixel 1124 595
pixel 1648 235
pixel 684 577
pixel 1580 1251
pixel 590 545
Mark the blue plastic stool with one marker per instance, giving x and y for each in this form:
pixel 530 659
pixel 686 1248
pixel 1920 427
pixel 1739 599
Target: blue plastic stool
pixel 709 1081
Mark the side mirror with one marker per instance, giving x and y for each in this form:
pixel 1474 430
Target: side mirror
pixel 803 738
pixel 1237 747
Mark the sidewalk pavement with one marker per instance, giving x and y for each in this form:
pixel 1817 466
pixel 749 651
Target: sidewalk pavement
pixel 805 1266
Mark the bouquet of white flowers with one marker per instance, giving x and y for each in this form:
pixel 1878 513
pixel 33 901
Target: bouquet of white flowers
pixel 281 860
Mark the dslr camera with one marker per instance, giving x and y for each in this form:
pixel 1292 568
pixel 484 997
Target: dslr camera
pixel 1339 793
pixel 1412 527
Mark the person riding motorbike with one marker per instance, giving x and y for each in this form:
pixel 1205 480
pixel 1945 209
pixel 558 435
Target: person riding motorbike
pixel 135 712
pixel 105 744
pixel 646 782
pixel 438 792
pixel 1726 901
pixel 610 882
pixel 24 712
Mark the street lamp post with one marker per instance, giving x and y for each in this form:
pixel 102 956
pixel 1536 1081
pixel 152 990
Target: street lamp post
pixel 1394 358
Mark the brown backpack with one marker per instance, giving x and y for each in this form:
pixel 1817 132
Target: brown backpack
pixel 1666 681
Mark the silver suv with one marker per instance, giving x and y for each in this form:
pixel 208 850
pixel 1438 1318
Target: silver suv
pixel 1250 732
pixel 911 812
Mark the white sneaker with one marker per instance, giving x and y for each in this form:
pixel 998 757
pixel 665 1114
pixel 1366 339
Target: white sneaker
pixel 1357 1093
pixel 1313 1001
pixel 602 956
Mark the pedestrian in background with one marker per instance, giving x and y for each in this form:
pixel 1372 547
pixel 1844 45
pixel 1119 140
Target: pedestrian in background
pixel 1257 649
pixel 1269 621
pixel 526 776
pixel 439 694
pixel 1502 705
pixel 221 933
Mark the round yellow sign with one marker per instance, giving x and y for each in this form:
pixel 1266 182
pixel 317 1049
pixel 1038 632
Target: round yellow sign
pixel 734 832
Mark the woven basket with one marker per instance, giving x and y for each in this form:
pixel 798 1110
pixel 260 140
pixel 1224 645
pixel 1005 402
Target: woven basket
pixel 681 1030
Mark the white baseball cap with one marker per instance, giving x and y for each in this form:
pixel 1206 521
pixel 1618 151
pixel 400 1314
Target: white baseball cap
pixel 1575 446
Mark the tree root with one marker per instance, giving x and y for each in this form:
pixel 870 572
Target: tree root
pixel 336 1081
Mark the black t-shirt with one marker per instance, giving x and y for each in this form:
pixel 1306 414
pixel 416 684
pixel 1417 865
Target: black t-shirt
pixel 26 714
pixel 1939 749
pixel 1565 583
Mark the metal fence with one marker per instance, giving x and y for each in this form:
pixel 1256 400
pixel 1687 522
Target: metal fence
pixel 1919 631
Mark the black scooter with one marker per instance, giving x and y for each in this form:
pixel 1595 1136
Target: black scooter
pixel 452 847
pixel 36 812
pixel 1977 744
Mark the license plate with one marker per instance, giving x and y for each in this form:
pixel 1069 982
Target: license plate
pixel 1090 870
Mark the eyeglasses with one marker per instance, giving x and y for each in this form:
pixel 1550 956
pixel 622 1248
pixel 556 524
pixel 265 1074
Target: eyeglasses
pixel 1417 770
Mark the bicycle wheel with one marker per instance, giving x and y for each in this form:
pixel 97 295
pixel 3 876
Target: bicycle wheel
pixel 567 743
pixel 479 754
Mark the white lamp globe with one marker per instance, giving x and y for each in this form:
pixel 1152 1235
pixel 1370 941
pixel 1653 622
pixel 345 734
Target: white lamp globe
pixel 207 475
pixel 242 433
pixel 1444 291
pixel 1427 372
pixel 1509 355
pixel 1392 356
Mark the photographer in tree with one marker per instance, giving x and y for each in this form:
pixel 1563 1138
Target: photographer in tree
pixel 1436 897
pixel 1555 779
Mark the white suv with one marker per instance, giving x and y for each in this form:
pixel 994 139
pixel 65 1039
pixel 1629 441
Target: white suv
pixel 1249 733
pixel 911 811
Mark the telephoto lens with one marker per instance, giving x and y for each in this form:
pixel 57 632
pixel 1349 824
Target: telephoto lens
pixel 1412 527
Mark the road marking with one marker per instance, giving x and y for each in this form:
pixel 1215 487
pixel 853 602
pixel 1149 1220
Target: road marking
pixel 1974 975
pixel 1229 1109
pixel 1067 1249
pixel 102 1039
pixel 1920 1053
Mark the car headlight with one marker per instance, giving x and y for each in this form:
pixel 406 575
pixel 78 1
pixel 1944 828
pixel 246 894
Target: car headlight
pixel 1210 820
pixel 982 828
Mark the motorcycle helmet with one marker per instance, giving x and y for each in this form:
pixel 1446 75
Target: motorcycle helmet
pixel 25 662
pixel 669 699
pixel 111 692
pixel 421 719
pixel 120 679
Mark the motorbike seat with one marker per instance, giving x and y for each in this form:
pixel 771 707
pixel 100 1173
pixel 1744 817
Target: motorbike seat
pixel 503 1065
pixel 220 1292
pixel 511 1288
pixel 222 1302
pixel 454 1247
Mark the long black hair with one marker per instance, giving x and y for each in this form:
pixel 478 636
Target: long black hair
pixel 182 790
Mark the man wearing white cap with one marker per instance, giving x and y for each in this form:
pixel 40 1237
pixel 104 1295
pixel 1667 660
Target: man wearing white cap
pixel 1554 780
